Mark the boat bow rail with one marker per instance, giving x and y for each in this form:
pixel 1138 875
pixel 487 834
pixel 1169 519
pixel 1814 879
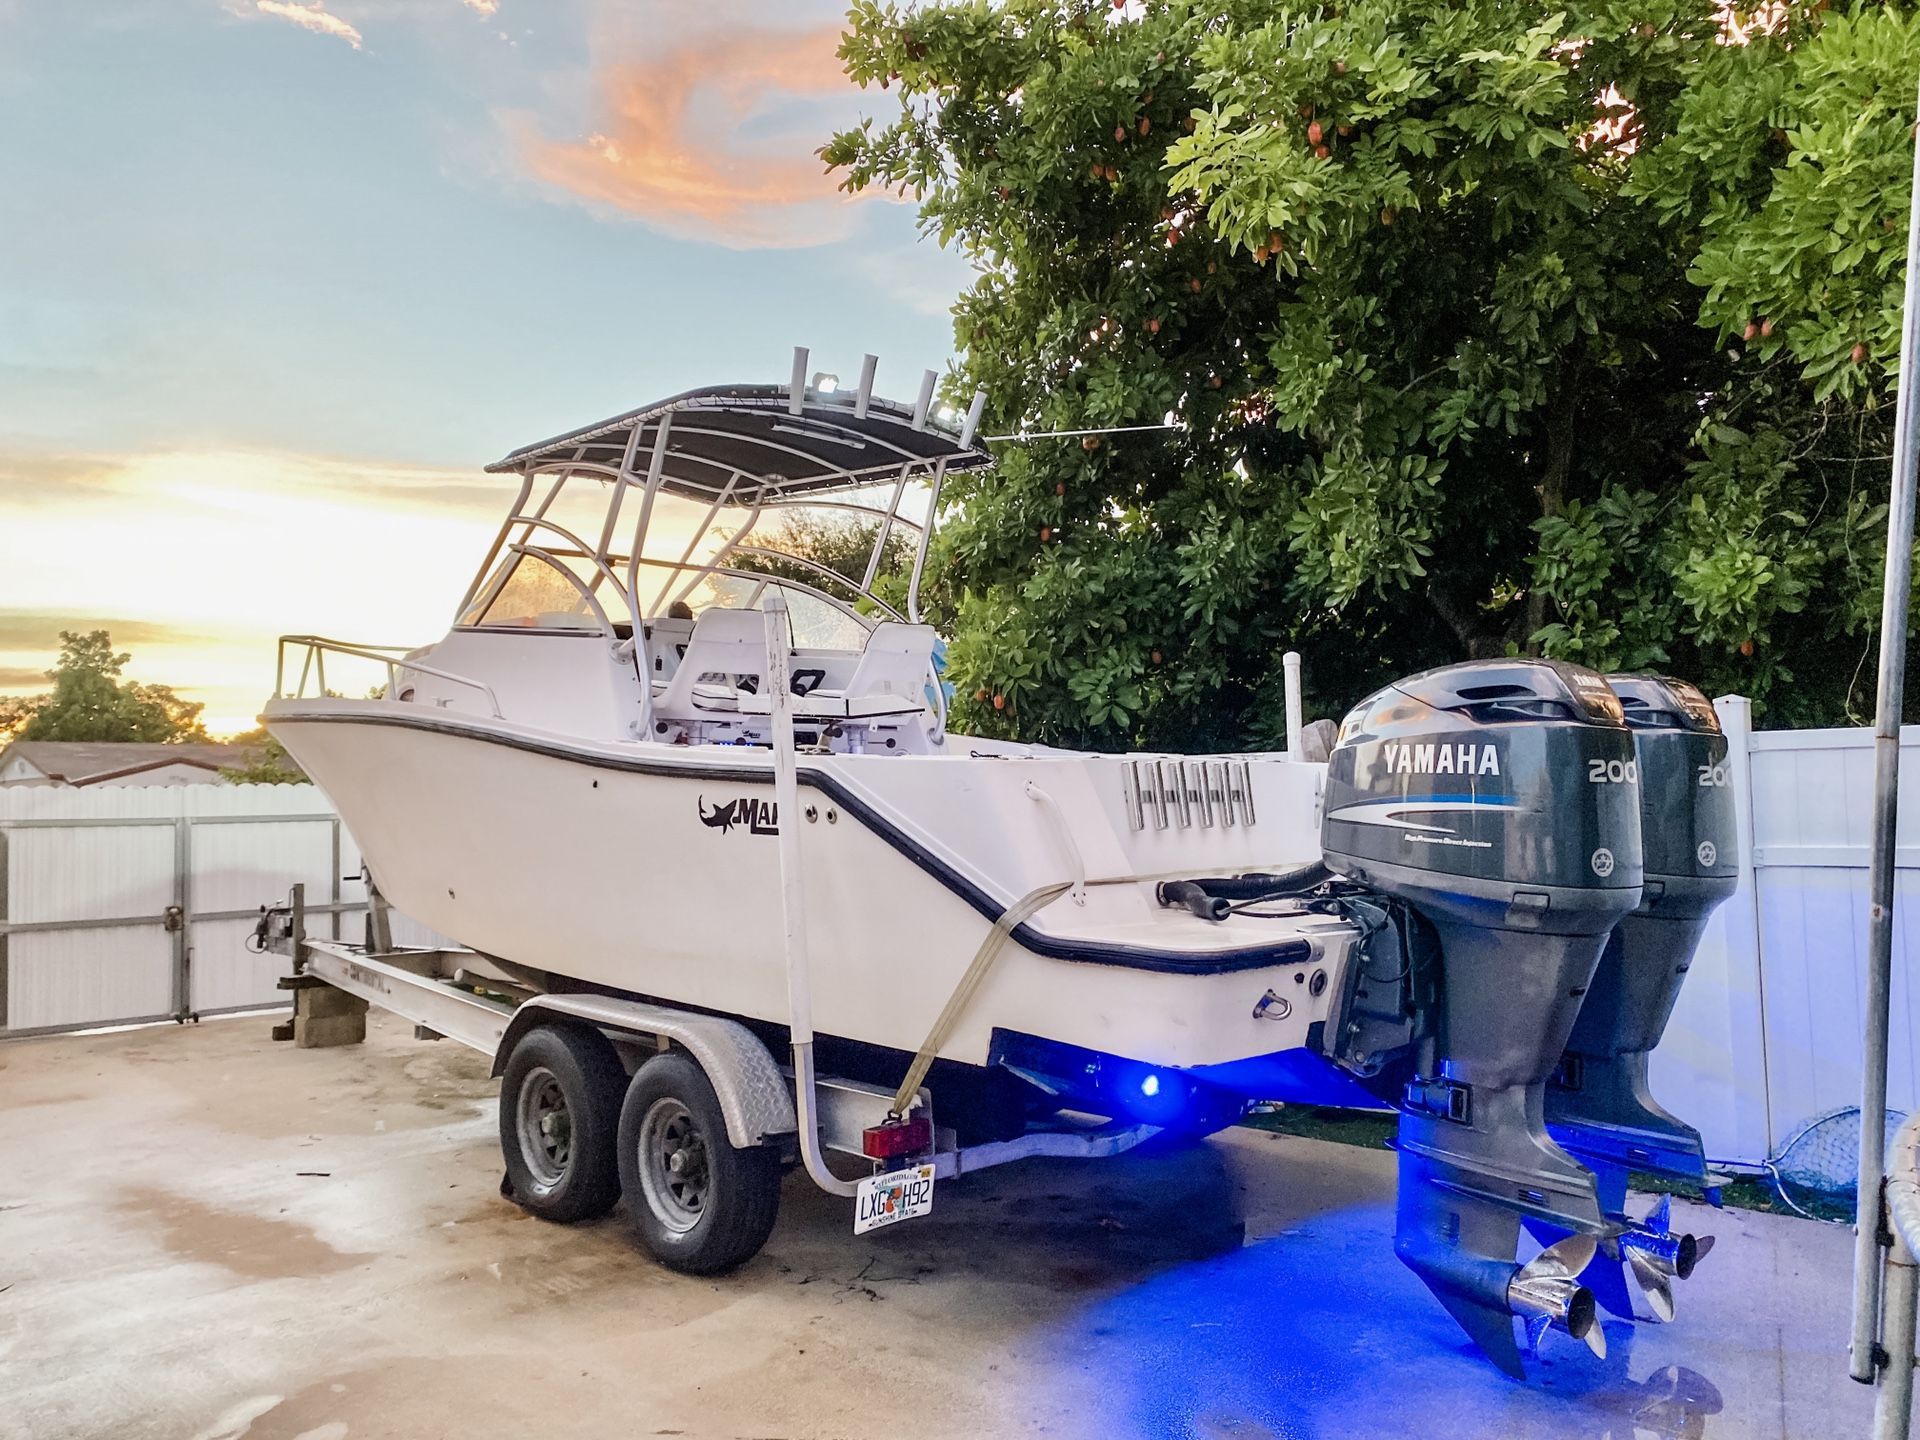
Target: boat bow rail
pixel 396 660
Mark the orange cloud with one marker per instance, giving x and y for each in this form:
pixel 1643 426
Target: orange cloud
pixel 649 158
pixel 312 17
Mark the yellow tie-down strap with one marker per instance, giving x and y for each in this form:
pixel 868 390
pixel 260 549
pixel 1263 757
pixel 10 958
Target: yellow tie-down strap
pixel 1011 919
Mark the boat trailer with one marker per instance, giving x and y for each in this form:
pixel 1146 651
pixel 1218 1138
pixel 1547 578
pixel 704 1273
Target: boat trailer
pixel 460 995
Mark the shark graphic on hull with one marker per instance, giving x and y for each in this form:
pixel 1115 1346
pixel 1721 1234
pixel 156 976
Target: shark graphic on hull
pixel 761 817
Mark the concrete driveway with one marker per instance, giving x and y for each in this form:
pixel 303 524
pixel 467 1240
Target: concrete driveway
pixel 204 1235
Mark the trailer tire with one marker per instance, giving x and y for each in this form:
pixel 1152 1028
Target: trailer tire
pixel 559 1115
pixel 701 1205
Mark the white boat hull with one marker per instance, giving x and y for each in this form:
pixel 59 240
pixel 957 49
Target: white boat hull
pixel 651 870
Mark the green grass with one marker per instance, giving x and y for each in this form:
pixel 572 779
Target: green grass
pixel 1372 1129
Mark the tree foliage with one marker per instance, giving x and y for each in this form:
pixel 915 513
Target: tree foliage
pixel 90 701
pixel 836 540
pixel 268 764
pixel 1484 327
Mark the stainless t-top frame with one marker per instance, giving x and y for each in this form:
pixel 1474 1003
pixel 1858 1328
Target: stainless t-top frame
pixel 765 448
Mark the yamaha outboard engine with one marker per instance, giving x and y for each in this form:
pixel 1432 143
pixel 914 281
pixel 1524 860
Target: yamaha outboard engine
pixel 1598 1104
pixel 1495 800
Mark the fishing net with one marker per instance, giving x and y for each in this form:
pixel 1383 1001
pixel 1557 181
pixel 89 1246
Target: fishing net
pixel 1817 1170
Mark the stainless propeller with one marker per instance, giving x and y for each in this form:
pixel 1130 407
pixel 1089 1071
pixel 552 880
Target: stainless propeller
pixel 1545 1292
pixel 1657 1257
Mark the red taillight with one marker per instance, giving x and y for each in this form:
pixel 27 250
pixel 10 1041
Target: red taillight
pixel 903 1137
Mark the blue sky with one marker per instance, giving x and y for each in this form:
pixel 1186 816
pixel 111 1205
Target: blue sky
pixel 277 277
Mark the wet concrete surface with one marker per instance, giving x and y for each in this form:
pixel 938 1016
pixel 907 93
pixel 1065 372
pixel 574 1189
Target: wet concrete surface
pixel 204 1236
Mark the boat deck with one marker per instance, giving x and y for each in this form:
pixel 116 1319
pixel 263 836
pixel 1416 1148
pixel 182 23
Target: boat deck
pixel 206 1234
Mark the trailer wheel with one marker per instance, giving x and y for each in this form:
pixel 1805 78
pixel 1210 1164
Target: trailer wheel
pixel 700 1205
pixel 559 1114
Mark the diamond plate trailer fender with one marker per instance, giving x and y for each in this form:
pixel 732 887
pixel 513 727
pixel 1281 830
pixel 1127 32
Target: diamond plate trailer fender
pixel 755 1097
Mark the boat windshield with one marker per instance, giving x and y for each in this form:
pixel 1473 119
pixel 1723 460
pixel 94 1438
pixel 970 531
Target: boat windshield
pixel 841 564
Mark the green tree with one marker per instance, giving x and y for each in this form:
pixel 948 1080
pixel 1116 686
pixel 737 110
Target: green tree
pixel 89 700
pixel 15 711
pixel 834 539
pixel 269 764
pixel 1486 327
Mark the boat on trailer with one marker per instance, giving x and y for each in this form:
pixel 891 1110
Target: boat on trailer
pixel 731 895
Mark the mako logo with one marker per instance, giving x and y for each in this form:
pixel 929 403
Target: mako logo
pixel 760 817
pixel 1429 758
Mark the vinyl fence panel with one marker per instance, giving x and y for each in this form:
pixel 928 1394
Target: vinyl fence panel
pixel 1709 1069
pixel 124 903
pixel 1767 1034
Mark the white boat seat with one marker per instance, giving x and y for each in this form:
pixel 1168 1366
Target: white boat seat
pixel 891 678
pixel 726 646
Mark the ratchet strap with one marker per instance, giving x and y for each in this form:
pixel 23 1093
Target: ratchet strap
pixel 1015 915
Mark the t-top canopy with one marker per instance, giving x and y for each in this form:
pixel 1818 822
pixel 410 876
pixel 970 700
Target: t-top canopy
pixel 746 438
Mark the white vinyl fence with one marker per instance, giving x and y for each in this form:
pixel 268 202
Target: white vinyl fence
pixel 123 903
pixel 1766 1036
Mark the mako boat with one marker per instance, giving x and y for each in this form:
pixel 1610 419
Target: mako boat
pixel 684 789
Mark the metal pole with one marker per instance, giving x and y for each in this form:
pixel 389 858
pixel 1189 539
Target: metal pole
pixel 885 531
pixel 182 904
pixel 793 910
pixel 1893 1407
pixel 333 895
pixel 1863 1357
pixel 926 541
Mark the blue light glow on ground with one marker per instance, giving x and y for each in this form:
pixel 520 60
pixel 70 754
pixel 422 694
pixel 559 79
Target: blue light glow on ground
pixel 1321 1333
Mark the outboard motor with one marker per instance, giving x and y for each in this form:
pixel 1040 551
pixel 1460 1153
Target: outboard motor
pixel 1598 1104
pixel 1496 800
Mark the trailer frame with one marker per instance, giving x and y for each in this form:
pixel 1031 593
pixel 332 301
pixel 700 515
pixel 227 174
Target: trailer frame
pixel 487 1006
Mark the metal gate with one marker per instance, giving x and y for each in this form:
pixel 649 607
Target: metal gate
pixel 120 905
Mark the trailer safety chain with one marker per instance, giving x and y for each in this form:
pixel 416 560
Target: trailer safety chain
pixel 1010 920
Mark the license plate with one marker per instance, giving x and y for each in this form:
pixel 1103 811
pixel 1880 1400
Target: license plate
pixel 890 1198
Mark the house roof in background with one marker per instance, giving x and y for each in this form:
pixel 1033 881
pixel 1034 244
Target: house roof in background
pixel 84 763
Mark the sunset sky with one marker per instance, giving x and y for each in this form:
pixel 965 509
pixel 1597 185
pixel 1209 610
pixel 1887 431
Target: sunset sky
pixel 278 278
